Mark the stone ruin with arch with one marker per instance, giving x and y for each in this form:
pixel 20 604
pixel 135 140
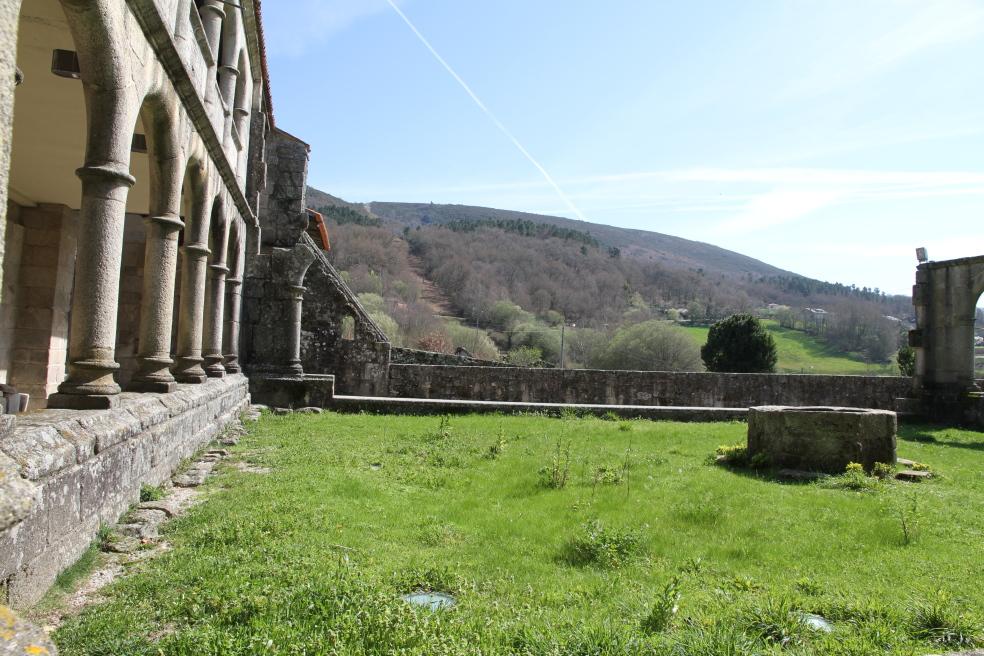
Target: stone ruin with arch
pixel 159 268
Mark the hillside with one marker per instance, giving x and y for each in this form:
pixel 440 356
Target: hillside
pixel 512 278
pixel 673 252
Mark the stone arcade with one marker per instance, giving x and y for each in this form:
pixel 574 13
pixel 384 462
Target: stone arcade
pixel 137 140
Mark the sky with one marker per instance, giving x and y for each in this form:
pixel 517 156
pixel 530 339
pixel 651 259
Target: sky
pixel 826 137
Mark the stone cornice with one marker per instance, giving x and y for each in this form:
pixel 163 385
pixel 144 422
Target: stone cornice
pixel 159 37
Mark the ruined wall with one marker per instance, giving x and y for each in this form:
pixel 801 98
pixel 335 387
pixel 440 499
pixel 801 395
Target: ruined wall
pixel 359 364
pixel 85 468
pixel 642 387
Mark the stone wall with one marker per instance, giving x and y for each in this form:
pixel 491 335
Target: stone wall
pixel 85 468
pixel 642 387
pixel 415 356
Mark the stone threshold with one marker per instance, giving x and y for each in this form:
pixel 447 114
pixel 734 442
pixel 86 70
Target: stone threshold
pixel 452 406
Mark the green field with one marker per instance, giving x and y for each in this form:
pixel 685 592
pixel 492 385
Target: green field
pixel 359 510
pixel 800 353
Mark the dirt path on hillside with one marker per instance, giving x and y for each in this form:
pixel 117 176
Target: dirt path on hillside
pixel 429 292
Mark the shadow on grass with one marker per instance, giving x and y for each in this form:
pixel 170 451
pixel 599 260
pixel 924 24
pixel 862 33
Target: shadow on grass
pixel 770 474
pixel 924 435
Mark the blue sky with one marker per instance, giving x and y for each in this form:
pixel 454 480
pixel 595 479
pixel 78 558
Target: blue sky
pixel 828 137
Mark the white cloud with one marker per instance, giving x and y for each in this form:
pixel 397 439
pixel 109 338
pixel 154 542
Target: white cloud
pixel 859 51
pixel 294 28
pixel 779 207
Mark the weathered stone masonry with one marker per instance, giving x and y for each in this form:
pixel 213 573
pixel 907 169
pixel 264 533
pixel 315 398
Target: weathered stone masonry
pixel 657 388
pixel 85 468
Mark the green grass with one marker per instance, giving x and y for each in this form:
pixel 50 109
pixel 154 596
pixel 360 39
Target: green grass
pixel 800 353
pixel 359 509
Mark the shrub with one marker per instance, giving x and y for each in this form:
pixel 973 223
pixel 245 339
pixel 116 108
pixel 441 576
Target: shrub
pixel 650 346
pixel 597 545
pixel 739 344
pixel 906 360
pixel 735 455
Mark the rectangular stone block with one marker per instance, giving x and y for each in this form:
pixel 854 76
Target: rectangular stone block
pixel 39 451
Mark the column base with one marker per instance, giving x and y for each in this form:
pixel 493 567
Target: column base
pixel 152 386
pixel 214 368
pixel 189 370
pixel 84 401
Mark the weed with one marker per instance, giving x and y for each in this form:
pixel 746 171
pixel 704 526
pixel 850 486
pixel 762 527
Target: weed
pixel 610 416
pixel 444 428
pixel 664 609
pixel 775 622
pixel 919 466
pixel 883 471
pixel 427 579
pixel 693 566
pixel 608 475
pixel 625 427
pixel 908 515
pixel 744 584
pixel 940 621
pixel 854 478
pixel 556 473
pixel 151 493
pixel 595 544
pixel 496 448
pixel 808 586
pixel 718 640
pixel 736 455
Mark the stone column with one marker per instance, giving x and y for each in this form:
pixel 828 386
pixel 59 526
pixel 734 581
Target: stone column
pixel 214 314
pixel 233 302
pixel 213 13
pixel 296 295
pixel 160 260
pixel 92 344
pixel 191 313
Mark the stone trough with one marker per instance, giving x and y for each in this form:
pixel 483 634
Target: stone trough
pixel 823 439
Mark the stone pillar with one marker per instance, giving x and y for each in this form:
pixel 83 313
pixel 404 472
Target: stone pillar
pixel 296 296
pixel 214 314
pixel 160 260
pixel 191 313
pixel 233 302
pixel 92 345
pixel 213 13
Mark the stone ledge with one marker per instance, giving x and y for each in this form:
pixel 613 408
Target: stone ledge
pixel 48 441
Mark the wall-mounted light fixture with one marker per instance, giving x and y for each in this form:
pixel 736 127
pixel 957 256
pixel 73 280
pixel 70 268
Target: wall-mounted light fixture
pixel 922 254
pixel 65 63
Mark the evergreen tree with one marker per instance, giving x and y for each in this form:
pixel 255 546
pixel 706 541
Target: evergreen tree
pixel 739 344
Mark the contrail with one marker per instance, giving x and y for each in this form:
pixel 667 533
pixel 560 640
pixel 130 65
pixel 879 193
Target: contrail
pixel 488 112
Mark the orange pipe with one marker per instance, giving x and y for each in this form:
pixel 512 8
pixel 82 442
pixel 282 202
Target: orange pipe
pixel 319 222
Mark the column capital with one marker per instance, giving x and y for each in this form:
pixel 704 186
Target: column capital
pixel 107 172
pixel 219 268
pixel 229 70
pixel 234 282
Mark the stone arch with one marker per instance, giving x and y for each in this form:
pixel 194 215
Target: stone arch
pixel 945 298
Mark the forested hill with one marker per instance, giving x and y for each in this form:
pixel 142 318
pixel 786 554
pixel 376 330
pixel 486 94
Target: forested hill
pixel 674 252
pixel 506 272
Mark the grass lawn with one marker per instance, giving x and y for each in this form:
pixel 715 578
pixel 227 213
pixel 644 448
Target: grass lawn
pixel 313 558
pixel 800 353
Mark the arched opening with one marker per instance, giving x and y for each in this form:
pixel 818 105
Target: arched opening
pixel 48 145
